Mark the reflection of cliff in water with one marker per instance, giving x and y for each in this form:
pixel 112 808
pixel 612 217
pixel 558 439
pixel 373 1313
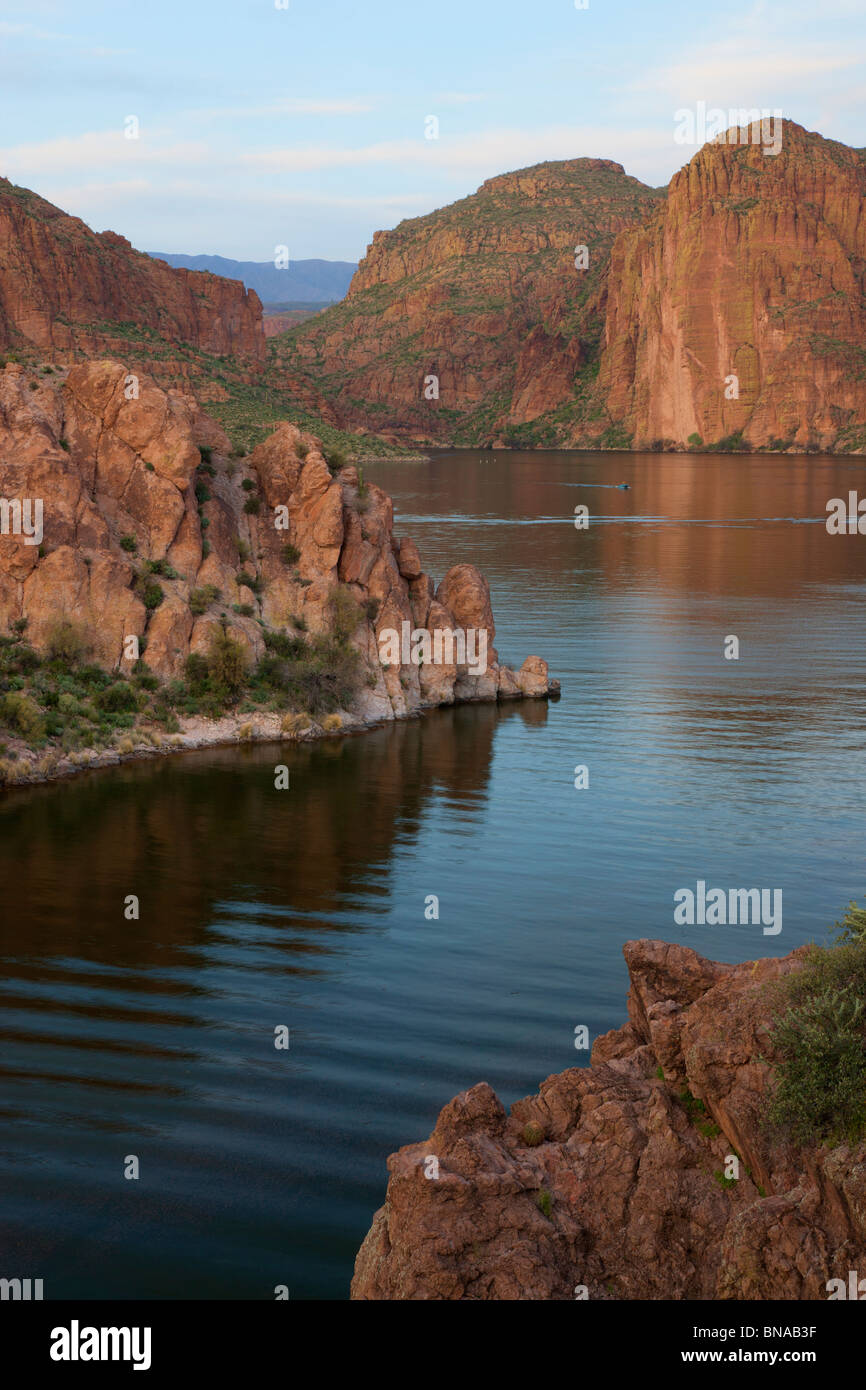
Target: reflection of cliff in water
pixel 186 833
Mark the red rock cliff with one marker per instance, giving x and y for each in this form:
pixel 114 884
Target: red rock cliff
pixel 64 288
pixel 754 266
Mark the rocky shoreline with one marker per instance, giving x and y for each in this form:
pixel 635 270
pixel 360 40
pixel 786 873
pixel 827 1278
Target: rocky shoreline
pixel 650 1174
pixel 198 734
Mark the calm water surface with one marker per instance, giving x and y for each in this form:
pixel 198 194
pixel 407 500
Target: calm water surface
pixel 306 908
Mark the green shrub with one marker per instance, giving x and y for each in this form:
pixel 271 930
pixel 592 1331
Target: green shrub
pixel 345 613
pixel 206 453
pixel 253 505
pixel 852 928
pixel 291 554
pixel 200 600
pixel 129 543
pixel 820 1091
pixel 249 581
pixel 226 662
pixel 248 485
pixel 67 641
pixel 161 567
pixel 336 460
pixel 117 699
pixel 19 712
pixel 202 493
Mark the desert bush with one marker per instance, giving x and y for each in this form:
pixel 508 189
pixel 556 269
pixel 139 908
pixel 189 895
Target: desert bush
pixel 67 641
pixel 226 662
pixel 23 715
pixel 117 698
pixel 819 1041
pixel 345 613
pixel 200 600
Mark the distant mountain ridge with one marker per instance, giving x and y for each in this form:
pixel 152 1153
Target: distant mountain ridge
pixel 308 282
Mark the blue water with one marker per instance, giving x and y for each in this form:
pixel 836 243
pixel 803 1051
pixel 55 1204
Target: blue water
pixel 307 908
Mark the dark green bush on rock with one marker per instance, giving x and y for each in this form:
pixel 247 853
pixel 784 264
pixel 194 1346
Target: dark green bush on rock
pixel 819 1041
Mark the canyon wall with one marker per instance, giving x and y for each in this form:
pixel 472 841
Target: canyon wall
pixel 66 290
pixel 753 267
pixel 484 295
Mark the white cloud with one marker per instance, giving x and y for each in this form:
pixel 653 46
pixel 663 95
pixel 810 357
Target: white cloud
pixel 289 106
pixel 99 150
pixel 488 152
pixel 731 70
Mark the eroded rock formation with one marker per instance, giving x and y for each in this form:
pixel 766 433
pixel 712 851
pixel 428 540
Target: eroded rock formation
pixel 140 539
pixel 609 1183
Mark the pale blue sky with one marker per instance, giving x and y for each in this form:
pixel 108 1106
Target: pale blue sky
pixel 305 126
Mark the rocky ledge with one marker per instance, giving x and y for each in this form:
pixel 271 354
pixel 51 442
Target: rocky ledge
pixel 615 1181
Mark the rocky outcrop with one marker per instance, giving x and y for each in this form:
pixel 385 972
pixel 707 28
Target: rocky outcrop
pixel 754 268
pixel 150 531
pixel 485 297
pixel 67 291
pixel 613 1181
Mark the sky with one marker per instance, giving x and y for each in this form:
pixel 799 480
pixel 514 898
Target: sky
pixel 259 124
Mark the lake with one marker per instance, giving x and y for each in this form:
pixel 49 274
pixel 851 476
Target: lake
pixel 306 908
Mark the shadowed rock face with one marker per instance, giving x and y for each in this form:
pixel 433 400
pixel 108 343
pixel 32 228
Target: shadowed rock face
pixel 754 265
pixel 634 1210
pixel 112 457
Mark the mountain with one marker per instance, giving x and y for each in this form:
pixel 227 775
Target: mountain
pixel 69 294
pixel 483 295
pixel 65 289
pixel 755 267
pixel 308 282
pixel 726 312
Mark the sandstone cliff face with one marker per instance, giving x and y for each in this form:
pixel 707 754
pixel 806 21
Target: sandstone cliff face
pixel 113 458
pixel 483 295
pixel 754 266
pixel 66 290
pixel 634 1206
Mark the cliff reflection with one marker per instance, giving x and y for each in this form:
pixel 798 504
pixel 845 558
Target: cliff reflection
pixel 188 833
